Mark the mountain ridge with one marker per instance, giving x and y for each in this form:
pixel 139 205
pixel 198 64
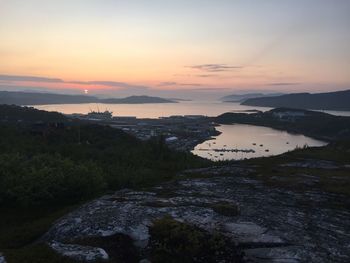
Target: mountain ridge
pixel 32 98
pixel 338 100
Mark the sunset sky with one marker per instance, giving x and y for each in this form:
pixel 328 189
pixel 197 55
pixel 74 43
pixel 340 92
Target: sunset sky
pixel 148 46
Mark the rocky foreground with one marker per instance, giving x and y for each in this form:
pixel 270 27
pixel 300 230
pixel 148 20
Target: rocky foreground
pixel 268 224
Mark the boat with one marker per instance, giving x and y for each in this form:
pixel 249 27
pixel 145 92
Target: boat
pixel 106 115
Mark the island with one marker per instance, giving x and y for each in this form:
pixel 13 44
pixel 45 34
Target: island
pixel 32 98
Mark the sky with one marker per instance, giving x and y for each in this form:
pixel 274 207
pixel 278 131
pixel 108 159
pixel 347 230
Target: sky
pixel 174 47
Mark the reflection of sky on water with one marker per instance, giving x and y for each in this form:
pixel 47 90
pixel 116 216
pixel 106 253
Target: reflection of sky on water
pixel 247 141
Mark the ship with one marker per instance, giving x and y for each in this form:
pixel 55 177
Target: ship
pixel 106 115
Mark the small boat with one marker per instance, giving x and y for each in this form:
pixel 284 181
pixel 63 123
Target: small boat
pixel 261 145
pixel 254 143
pixel 267 150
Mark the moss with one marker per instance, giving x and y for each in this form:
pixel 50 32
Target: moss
pixel 158 204
pixel 119 247
pixel 39 253
pixel 334 181
pixel 172 241
pixel 19 227
pixel 226 209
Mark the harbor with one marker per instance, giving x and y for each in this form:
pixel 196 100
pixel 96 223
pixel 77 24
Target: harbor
pixel 180 132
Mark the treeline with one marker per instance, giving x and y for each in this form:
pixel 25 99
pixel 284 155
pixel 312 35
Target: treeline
pixel 25 115
pixel 67 163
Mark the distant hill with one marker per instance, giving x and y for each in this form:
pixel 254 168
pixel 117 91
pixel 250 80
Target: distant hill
pixel 339 100
pixel 31 98
pixel 315 124
pixel 136 100
pixel 24 115
pixel 243 97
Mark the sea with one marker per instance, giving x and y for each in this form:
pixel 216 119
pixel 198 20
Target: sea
pixel 235 141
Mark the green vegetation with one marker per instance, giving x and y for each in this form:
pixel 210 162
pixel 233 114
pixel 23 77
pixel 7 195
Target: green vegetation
pixel 226 209
pixel 314 124
pixel 49 164
pixel 273 172
pixel 78 162
pixel 22 226
pixel 39 253
pixel 46 179
pixel 172 241
pixel 119 247
pixel 11 114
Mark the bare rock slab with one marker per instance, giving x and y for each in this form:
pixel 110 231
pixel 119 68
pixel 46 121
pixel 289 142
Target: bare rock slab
pixel 81 253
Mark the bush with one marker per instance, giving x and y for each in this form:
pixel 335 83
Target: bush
pixel 39 253
pixel 46 179
pixel 226 209
pixel 76 162
pixel 172 241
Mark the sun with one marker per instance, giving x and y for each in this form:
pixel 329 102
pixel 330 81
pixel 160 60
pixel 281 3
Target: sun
pixel 86 91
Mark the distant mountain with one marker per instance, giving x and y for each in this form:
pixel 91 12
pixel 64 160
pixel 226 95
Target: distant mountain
pixel 243 97
pixel 136 100
pixel 31 98
pixel 339 100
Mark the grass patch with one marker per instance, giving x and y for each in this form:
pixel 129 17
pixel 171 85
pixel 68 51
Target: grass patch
pixel 172 242
pixel 20 227
pixel 296 178
pixel 119 247
pixel 226 209
pixel 39 253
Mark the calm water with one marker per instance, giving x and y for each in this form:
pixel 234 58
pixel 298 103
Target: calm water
pixel 235 142
pixel 207 108
pixel 247 140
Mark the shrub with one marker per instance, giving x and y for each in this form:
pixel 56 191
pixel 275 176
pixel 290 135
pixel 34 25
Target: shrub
pixel 39 253
pixel 46 179
pixel 172 241
pixel 226 209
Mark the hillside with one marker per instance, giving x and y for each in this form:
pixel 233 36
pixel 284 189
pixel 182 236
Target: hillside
pixel 31 98
pixel 136 100
pixel 338 100
pixel 314 124
pixel 51 174
pixel 243 97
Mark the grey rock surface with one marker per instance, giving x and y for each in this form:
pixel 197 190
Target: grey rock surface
pixel 80 253
pixel 313 164
pixel 274 225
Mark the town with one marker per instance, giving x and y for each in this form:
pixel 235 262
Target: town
pixel 180 133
